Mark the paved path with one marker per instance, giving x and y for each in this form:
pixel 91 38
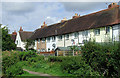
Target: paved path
pixel 40 74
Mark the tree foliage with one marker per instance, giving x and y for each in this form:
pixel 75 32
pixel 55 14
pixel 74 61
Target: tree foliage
pixel 29 44
pixel 7 42
pixel 103 57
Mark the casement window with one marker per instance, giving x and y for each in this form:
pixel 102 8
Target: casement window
pixel 67 36
pixel 48 39
pixel 60 37
pixel 38 40
pixel 107 30
pixel 85 33
pixel 97 31
pixel 43 39
pixel 76 34
pixel 53 38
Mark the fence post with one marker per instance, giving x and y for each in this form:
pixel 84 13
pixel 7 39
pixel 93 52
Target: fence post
pixel 73 52
pixel 64 53
pixel 57 52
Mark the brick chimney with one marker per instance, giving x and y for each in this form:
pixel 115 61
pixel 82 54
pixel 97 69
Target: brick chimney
pixel 112 5
pixel 64 19
pixel 76 15
pixel 14 33
pixel 21 29
pixel 44 25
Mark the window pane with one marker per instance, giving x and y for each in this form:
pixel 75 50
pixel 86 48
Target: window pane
pixel 67 36
pixel 48 39
pixel 76 35
pixel 107 29
pixel 60 37
pixel 97 31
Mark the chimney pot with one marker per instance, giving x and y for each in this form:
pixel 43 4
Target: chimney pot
pixel 44 25
pixel 21 29
pixel 64 19
pixel 76 15
pixel 112 5
pixel 14 33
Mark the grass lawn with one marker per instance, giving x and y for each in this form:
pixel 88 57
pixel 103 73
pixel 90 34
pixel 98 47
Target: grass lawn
pixel 52 68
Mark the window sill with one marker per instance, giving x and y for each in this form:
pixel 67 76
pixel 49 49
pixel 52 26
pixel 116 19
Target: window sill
pixel 75 37
pixel 107 33
pixel 97 35
pixel 67 39
pixel 59 40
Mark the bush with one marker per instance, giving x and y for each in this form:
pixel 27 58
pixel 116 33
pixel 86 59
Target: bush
pixel 35 59
pixel 11 58
pixel 24 56
pixel 100 57
pixel 77 67
pixel 56 59
pixel 14 70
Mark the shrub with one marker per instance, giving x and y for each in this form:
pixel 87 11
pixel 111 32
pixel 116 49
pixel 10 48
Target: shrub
pixel 14 70
pixel 77 66
pixel 35 59
pixel 56 59
pixel 100 57
pixel 11 58
pixel 25 55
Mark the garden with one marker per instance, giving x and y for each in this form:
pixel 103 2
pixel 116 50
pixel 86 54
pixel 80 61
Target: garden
pixel 96 59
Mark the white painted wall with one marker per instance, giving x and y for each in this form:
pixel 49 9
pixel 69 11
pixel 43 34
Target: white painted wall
pixel 35 46
pixel 19 43
pixel 116 32
pixel 49 44
pixel 102 37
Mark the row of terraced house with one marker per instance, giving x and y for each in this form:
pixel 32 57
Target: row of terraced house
pixel 102 26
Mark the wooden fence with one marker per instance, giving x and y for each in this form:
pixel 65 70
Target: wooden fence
pixel 68 53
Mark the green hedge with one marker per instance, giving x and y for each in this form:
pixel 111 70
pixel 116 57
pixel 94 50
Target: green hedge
pixel 10 66
pixel 103 57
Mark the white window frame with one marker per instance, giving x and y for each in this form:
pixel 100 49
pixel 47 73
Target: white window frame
pixel 96 31
pixel 43 40
pixel 76 35
pixel 53 38
pixel 106 30
pixel 48 39
pixel 67 36
pixel 85 33
pixel 60 37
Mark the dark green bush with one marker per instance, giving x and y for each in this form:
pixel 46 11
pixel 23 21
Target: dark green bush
pixel 35 59
pixel 56 59
pixel 77 67
pixel 14 70
pixel 100 57
pixel 8 61
pixel 11 58
pixel 25 55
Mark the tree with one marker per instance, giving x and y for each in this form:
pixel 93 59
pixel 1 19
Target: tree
pixel 7 42
pixel 29 44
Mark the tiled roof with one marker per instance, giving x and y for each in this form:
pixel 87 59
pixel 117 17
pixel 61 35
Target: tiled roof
pixel 25 35
pixel 95 20
pixel 13 37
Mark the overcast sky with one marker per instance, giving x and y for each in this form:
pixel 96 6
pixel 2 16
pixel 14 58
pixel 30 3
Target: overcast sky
pixel 31 15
